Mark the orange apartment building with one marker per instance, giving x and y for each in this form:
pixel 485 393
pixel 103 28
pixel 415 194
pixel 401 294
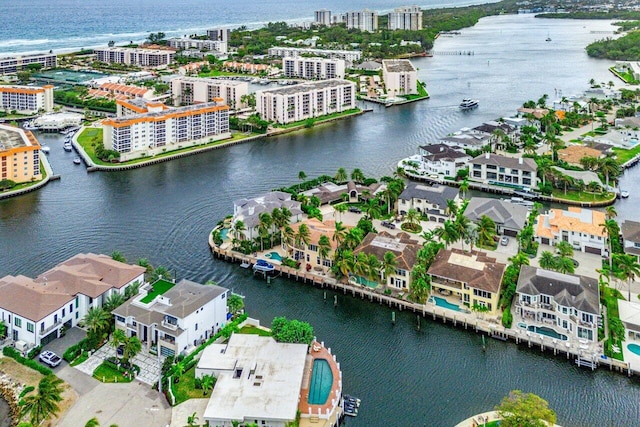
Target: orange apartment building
pixel 19 155
pixel 26 99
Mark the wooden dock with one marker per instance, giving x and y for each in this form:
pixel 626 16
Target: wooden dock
pixel 457 319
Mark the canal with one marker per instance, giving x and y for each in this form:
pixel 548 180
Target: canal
pixel 437 375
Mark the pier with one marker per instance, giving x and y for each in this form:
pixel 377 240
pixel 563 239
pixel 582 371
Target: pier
pixel 490 327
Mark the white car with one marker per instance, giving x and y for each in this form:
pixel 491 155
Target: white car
pixel 50 358
pixel 504 241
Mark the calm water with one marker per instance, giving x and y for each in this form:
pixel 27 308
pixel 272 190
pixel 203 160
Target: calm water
pixel 74 24
pixel 436 376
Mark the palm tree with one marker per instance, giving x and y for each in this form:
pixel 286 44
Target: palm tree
pixel 97 322
pixel 610 228
pixel 471 234
pixel 288 235
pixel 301 176
pixel 117 256
pixel 357 175
pixel 344 262
pixel 131 346
pixel 208 382
pixel 629 269
pixel 303 236
pixel 264 226
pixel 486 231
pixel 413 217
pixel 564 249
pixel 610 168
pixel 547 260
pixel 610 212
pixel 177 370
pixel 193 418
pixel 114 301
pixel 93 422
pixel 143 262
pixel 238 228
pixel 341 175
pixel 339 233
pixel 464 187
pixel 388 267
pixel 324 247
pixel 373 209
pixel 462 224
pixel 341 208
pixel 353 238
pixel 118 338
pixel 565 265
pixel 447 233
pixel 452 208
pixel 519 259
pixel 38 407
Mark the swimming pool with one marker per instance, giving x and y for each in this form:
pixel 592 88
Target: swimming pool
pixel 634 348
pixel 522 325
pixel 543 330
pixel 273 256
pixel 441 302
pixel 321 382
pixel 223 233
pixel 363 281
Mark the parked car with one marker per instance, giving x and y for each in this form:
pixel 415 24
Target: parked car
pixel 354 209
pixel 388 224
pixel 504 241
pixel 50 358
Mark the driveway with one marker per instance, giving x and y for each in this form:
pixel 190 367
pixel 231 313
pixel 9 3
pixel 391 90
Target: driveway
pixel 127 405
pixel 60 345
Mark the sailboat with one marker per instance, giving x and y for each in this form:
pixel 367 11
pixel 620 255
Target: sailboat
pixel 548 39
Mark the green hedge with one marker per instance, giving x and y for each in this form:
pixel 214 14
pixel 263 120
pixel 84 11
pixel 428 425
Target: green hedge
pixel 507 318
pixel 15 354
pixel 75 350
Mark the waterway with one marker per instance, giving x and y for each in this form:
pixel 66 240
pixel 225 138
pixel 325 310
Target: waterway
pixel 405 377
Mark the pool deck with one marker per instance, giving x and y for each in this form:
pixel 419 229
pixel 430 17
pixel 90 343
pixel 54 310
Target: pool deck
pixel 330 410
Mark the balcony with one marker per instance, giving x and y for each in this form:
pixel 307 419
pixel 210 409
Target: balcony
pixel 447 284
pixel 171 326
pixel 169 340
pixel 50 328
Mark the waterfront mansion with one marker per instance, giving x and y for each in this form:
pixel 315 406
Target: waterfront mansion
pixel 494 169
pixel 580 227
pixel 567 302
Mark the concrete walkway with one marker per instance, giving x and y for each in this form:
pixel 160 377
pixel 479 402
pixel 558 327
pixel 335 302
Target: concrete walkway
pixel 482 419
pixel 149 365
pixel 181 412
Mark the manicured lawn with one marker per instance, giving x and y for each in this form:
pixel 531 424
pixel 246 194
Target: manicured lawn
pixel 318 120
pixel 624 156
pixel 186 388
pixel 107 374
pixel 159 287
pixel 582 196
pixel 609 297
pixel 78 360
pixel 252 330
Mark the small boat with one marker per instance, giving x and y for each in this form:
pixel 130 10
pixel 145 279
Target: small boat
pixel 468 104
pixel 77 160
pixel 45 149
pixel 264 266
pixel 548 39
pixel 67 146
pixel 624 194
pixel 520 201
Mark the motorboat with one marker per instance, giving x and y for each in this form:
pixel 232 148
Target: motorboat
pixel 468 104
pixel 520 201
pixel 45 149
pixel 263 266
pixel 67 146
pixel 77 160
pixel 624 194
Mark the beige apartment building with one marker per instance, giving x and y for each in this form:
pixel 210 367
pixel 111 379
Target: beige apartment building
pixel 26 99
pixel 19 155
pixel 194 90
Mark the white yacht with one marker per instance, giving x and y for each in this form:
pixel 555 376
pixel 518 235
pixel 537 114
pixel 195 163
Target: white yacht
pixel 468 104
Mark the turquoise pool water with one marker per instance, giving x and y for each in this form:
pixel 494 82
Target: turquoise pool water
pixel 274 256
pixel 542 330
pixel 321 382
pixel 363 281
pixel 634 348
pixel 522 325
pixel 223 233
pixel 441 302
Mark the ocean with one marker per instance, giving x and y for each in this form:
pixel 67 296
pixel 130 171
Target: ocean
pixel 28 26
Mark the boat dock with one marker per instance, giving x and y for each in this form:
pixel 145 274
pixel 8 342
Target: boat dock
pixel 469 321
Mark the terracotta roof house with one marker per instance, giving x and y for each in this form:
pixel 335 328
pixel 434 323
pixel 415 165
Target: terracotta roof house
pixel 310 254
pixel 574 153
pixel 401 245
pixel 569 304
pixel 473 278
pixel 35 310
pixel 578 226
pixel 631 237
pixel 509 217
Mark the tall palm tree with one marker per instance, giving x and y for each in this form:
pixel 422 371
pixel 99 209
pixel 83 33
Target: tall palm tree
pixel 131 347
pixel 301 176
pixel 117 256
pixel 471 234
pixel 447 233
pixel 303 236
pixel 353 238
pixel 344 262
pixel 341 175
pixel 486 231
pixel 610 212
pixel 461 224
pixel 610 168
pixel 38 407
pixel 264 227
pixel 519 259
pixel 357 175
pixel 610 228
pixel 372 209
pixel 288 235
pixel 113 301
pixel 464 187
pixel 629 269
pixel 339 233
pixel 452 208
pixel 413 217
pixel 93 422
pixel 547 260
pixel 565 265
pixel 238 228
pixel 324 247
pixel 97 322
pixel 341 208
pixel 564 249
pixel 388 267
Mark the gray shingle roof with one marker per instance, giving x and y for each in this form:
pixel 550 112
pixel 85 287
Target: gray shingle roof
pixel 506 214
pixel 507 162
pixel 437 194
pixel 631 230
pixel 568 290
pixel 441 152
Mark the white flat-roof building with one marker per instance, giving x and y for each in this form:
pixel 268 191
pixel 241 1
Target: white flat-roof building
pixel 26 99
pixel 258 380
pixel 294 52
pixel 156 131
pixel 406 18
pixel 34 310
pixel 313 68
pixel 12 64
pixel 323 17
pixel 363 20
pixel 153 58
pixel 57 121
pixel 400 77
pixel 219 34
pixel 306 100
pixel 194 90
pixel 187 43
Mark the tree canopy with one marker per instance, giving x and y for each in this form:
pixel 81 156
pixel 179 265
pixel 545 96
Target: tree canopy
pixel 520 409
pixel 291 331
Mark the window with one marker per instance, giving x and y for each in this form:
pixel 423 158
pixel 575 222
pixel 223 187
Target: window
pixel 17 321
pixel 29 326
pixel 120 319
pixel 481 293
pixel 196 326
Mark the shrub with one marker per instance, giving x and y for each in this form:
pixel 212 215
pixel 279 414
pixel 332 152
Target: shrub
pixel 507 318
pixel 34 352
pixel 15 354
